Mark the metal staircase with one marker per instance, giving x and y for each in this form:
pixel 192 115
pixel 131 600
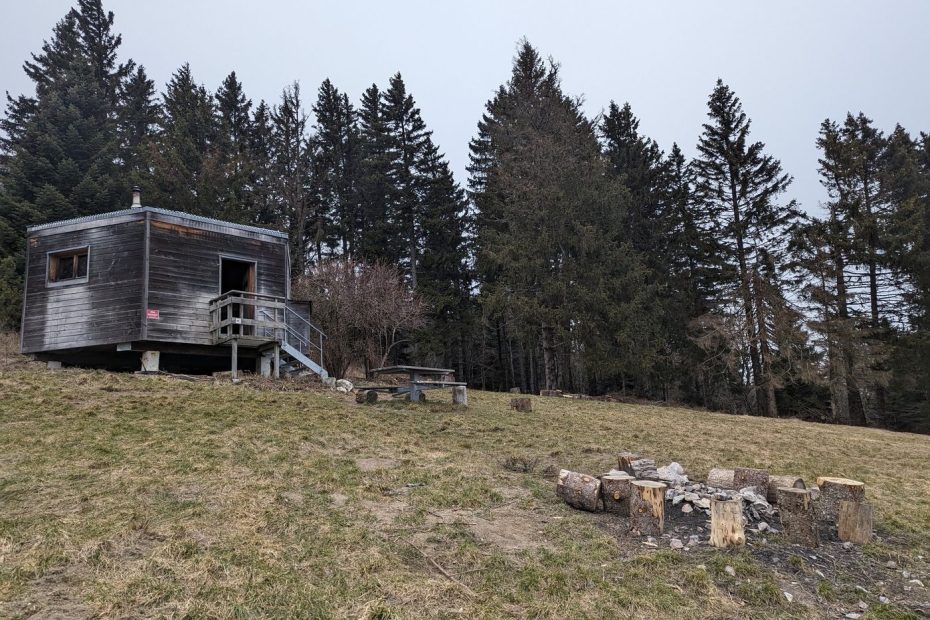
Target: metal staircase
pixel 266 323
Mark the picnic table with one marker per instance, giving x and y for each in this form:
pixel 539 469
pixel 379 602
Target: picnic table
pixel 419 379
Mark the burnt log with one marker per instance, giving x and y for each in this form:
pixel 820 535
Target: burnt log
pixel 727 525
pixel 647 507
pixel 832 492
pixel 579 490
pixel 797 516
pixel 369 397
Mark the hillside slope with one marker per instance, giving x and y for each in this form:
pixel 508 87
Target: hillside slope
pixel 123 495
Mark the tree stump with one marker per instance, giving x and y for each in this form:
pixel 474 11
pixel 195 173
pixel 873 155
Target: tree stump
pixel 727 526
pixel 758 479
pixel 521 404
pixel 854 522
pixel 460 395
pixel 797 516
pixel 720 478
pixel 615 491
pixel 578 490
pixel 832 492
pixel 783 482
pixel 623 461
pixel 369 397
pixel 647 507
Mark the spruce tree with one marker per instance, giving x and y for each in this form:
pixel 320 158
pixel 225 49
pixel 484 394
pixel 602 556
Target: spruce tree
pixel 263 209
pixel 335 152
pixel 739 186
pixel 185 179
pixel 139 115
pixel 376 190
pixel 230 155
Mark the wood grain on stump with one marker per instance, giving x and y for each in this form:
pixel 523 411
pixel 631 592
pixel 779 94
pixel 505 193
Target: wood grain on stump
pixel 578 490
pixel 758 479
pixel 615 491
pixel 797 516
pixel 727 526
pixel 854 522
pixel 647 507
pixel 778 482
pixel 624 459
pixel 832 492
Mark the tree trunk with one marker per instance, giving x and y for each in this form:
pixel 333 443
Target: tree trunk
pixel 720 478
pixel 578 490
pixel 797 516
pixel 550 357
pixel 758 479
pixel 727 526
pixel 854 522
pixel 647 507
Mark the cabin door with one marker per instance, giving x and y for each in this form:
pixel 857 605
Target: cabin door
pixel 238 275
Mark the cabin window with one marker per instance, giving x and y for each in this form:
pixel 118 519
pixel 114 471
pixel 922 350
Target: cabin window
pixel 68 266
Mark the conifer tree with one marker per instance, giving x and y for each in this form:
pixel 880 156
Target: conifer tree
pixel 407 140
pixel 139 115
pixel 335 151
pixel 185 180
pixel 263 209
pixel 739 187
pixel 376 190
pixel 230 155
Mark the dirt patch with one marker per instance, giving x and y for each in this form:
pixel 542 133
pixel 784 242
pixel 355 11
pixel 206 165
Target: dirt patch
pixel 375 463
pixel 385 511
pixel 510 529
pixel 53 596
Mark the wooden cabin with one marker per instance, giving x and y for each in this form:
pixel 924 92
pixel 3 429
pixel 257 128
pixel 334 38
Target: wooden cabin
pixel 153 289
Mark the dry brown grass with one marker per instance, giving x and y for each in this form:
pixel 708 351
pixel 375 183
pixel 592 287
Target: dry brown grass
pixel 152 497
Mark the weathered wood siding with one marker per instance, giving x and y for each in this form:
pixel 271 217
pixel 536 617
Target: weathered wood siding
pixel 184 274
pixel 105 309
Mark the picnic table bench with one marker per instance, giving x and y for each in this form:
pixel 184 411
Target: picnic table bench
pixel 419 379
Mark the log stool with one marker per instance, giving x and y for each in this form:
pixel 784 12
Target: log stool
pixel 727 526
pixel 578 490
pixel 854 522
pixel 647 507
pixel 832 492
pixel 797 516
pixel 615 490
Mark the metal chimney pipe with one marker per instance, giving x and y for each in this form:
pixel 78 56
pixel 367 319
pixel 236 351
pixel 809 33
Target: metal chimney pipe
pixel 136 197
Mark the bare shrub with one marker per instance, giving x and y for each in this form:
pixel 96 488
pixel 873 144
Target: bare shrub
pixel 365 310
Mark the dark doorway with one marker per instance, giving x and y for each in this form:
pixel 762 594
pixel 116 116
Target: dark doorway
pixel 238 275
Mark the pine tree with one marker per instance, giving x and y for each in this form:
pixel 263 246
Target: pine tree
pixel 230 155
pixel 139 115
pixel 185 179
pixel 290 159
pixel 263 209
pixel 376 190
pixel 738 185
pixel 408 140
pixel 335 151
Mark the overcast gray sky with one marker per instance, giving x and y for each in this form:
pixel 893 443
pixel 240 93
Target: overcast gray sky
pixel 792 63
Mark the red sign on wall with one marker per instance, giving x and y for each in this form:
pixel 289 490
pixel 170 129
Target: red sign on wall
pixel 151 314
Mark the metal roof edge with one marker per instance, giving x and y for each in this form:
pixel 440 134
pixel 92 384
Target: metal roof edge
pixel 167 212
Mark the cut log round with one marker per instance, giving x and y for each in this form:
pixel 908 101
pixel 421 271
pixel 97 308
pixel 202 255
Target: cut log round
pixel 647 507
pixel 615 491
pixel 720 478
pixel 578 490
pixel 366 396
pixel 727 526
pixel 797 516
pixel 787 482
pixel 832 492
pixel 854 522
pixel 623 461
pixel 757 479
pixel 460 395
pixel 521 404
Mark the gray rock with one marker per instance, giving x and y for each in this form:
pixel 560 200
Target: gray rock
pixel 789 596
pixel 916 582
pixel 675 543
pixel 329 382
pixel 853 615
pixel 891 564
pixel 762 526
pixel 729 570
pixel 847 546
pixel 686 509
pixel 883 600
pixel 344 383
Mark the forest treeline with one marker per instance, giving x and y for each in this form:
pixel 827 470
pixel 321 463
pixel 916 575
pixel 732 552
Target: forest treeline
pixel 580 256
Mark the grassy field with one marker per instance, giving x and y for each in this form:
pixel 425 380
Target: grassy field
pixel 132 496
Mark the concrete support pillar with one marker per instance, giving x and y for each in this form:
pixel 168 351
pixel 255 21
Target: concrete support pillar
pixel 264 364
pixel 460 395
pixel 53 365
pixel 150 360
pixel 277 361
pixel 235 359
